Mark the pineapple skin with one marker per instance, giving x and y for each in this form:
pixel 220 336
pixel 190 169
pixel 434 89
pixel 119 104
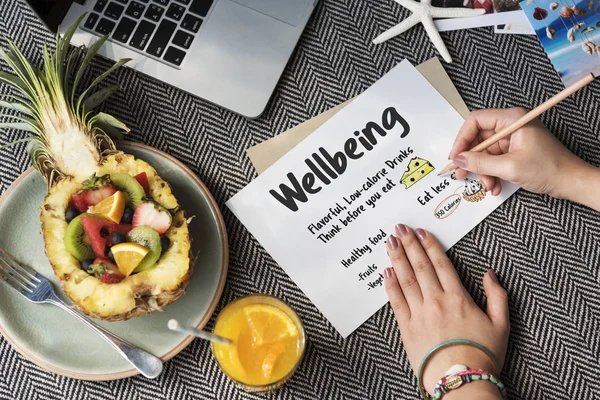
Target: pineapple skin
pixel 136 295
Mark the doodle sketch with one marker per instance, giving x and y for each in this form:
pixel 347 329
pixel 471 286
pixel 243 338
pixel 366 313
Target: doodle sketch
pixel 474 191
pixel 417 169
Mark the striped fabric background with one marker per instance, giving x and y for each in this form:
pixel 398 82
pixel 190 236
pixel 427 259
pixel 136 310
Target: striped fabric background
pixel 545 251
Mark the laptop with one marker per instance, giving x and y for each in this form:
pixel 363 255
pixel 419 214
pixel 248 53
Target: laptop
pixel 229 52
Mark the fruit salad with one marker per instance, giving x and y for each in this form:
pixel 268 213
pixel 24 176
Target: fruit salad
pixel 124 250
pixel 115 228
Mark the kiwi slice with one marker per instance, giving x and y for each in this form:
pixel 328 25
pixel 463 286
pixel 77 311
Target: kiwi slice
pixel 76 242
pixel 127 183
pixel 150 239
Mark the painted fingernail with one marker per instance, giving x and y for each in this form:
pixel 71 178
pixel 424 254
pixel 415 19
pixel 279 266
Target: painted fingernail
pixel 420 233
pixel 401 230
pixel 460 161
pixel 387 273
pixel 493 275
pixel 393 242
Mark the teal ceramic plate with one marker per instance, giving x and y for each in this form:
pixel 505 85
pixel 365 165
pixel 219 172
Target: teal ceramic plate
pixel 53 339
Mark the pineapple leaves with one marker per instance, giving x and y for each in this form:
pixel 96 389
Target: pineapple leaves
pixel 22 126
pixel 16 106
pixel 14 81
pixel 23 68
pixel 47 107
pixel 93 49
pixel 109 125
pixel 99 79
pixel 6 146
pixel 73 57
pixel 62 46
pixel 97 98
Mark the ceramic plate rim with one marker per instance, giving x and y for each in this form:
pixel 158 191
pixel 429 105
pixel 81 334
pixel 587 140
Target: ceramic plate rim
pixel 203 321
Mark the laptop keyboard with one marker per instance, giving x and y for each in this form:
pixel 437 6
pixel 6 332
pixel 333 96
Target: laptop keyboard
pixel 161 29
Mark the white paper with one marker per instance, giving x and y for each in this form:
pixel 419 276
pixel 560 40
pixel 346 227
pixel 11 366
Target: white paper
pixel 322 270
pixel 518 28
pixel 507 17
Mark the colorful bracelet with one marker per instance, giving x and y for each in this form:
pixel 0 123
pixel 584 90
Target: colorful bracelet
pixel 451 382
pixel 442 345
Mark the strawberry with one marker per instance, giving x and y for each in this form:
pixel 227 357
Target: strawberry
pixel 107 265
pixel 95 189
pixel 152 215
pixel 95 196
pixel 108 277
pixel 78 202
pixel 106 271
pixel 86 198
pixel 142 179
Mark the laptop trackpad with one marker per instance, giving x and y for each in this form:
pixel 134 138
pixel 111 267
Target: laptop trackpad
pixel 288 11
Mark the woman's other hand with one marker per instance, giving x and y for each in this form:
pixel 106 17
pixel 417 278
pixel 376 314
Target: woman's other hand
pixel 432 306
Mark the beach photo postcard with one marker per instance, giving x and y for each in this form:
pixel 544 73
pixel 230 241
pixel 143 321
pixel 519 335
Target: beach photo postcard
pixel 490 6
pixel 497 12
pixel 570 34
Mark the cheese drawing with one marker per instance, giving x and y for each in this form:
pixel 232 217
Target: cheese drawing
pixel 417 169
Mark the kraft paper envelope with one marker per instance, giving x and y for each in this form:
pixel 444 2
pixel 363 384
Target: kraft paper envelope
pixel 264 154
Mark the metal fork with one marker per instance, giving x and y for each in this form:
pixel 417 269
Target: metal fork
pixel 37 289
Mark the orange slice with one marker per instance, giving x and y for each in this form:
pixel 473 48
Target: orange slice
pixel 268 364
pixel 112 207
pixel 269 324
pixel 128 256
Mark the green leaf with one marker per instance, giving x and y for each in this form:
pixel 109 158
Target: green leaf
pixel 16 82
pixel 21 118
pixel 22 126
pixel 21 66
pixel 73 56
pixel 16 106
pixel 110 125
pixel 99 79
pixel 62 46
pixel 97 98
pixel 6 146
pixel 91 52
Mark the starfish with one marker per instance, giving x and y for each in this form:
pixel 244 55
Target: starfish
pixel 424 12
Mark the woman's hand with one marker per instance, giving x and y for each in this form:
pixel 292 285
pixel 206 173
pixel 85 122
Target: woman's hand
pixel 531 157
pixel 431 306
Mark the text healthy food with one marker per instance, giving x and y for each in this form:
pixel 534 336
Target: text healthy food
pixel 114 233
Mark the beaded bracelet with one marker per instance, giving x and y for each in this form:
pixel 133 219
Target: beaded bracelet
pixel 455 381
pixel 440 346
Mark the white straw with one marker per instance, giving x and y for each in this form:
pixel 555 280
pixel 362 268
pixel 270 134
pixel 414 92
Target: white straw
pixel 176 326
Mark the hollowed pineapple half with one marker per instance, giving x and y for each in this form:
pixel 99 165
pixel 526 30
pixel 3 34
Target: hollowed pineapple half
pixel 137 294
pixel 68 143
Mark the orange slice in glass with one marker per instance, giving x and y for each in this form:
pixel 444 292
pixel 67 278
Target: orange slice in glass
pixel 269 324
pixel 128 256
pixel 275 350
pixel 112 207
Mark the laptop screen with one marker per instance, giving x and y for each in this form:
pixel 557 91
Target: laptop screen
pixel 51 12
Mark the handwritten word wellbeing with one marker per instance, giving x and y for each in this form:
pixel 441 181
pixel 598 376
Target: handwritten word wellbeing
pixel 326 167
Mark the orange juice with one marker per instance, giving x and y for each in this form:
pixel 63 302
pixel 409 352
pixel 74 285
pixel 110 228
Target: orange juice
pixel 268 342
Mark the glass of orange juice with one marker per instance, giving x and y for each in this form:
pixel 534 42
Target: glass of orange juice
pixel 268 342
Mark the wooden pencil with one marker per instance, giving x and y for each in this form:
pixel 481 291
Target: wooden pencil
pixel 545 106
